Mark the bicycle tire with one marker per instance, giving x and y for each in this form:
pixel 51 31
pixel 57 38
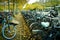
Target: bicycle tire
pixel 3 29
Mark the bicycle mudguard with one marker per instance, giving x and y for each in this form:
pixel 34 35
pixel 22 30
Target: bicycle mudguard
pixel 14 22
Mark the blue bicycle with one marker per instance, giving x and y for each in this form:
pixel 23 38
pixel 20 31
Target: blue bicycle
pixel 9 28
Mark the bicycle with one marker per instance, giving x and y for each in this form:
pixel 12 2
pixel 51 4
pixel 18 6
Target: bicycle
pixel 9 28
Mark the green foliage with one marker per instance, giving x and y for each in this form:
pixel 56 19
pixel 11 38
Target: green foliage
pixel 52 3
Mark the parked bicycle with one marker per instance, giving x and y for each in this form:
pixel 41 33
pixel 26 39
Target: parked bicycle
pixel 9 28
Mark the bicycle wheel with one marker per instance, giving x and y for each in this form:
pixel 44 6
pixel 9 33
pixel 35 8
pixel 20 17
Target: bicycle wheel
pixel 35 25
pixel 8 34
pixel 37 31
